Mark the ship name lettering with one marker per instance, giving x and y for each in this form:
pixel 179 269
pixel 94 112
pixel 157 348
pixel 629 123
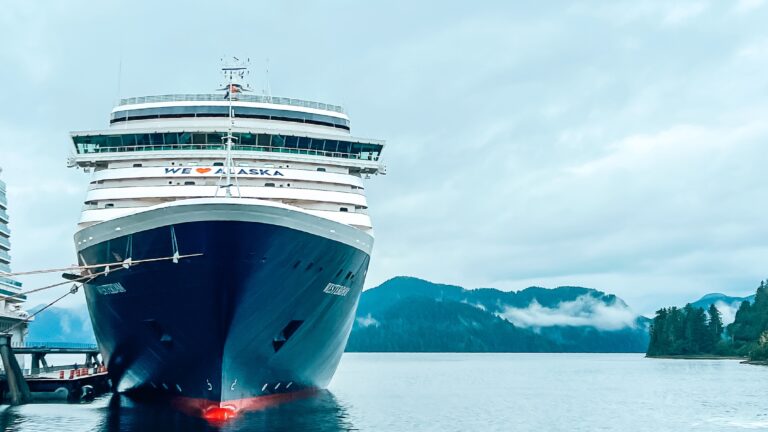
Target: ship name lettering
pixel 339 290
pixel 113 288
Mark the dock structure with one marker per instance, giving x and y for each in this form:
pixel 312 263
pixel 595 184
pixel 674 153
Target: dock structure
pixel 72 384
pixel 38 350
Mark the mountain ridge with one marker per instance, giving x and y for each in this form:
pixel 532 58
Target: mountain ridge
pixel 562 319
pixel 453 318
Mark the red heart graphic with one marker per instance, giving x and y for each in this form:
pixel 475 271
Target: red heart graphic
pixel 202 170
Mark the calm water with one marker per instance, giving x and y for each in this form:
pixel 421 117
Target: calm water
pixel 460 392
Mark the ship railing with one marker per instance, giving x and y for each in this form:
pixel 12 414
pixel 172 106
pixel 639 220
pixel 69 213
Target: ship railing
pixel 205 97
pixel 86 149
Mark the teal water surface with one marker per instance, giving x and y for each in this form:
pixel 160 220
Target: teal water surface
pixel 471 392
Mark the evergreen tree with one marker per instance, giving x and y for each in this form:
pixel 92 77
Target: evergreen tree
pixel 741 328
pixel 691 331
pixel 715 325
pixel 760 309
pixel 696 331
pixel 658 334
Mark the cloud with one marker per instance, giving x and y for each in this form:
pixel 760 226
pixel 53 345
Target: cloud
pixel 476 305
pixel 65 325
pixel 583 311
pixel 610 144
pixel 367 321
pixel 745 6
pixel 727 310
pixel 679 13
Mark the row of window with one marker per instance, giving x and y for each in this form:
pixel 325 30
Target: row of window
pixel 223 111
pixel 349 276
pixel 214 141
pixel 112 205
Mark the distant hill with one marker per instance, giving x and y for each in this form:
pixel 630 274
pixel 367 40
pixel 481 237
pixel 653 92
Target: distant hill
pixel 714 298
pixel 61 325
pixel 410 314
pixel 727 305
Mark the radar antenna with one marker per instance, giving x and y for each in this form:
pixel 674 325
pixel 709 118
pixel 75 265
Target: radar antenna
pixel 235 71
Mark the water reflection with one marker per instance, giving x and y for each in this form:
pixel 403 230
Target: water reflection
pixel 318 412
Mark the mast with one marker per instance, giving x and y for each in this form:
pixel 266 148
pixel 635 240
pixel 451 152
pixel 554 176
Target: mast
pixel 234 72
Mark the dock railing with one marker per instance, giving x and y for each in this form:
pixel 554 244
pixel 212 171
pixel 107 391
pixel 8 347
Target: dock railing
pixel 56 345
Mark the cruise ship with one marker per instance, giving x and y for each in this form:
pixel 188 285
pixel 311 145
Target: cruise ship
pixel 225 240
pixel 13 318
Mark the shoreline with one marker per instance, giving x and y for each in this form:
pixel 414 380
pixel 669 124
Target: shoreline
pixel 756 362
pixel 698 357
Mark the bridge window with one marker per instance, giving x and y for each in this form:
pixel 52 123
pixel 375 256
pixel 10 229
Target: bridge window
pixel 223 111
pixel 86 144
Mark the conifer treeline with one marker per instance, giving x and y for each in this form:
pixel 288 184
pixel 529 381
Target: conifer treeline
pixel 693 331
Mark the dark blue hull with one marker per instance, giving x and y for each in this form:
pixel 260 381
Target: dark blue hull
pixel 253 316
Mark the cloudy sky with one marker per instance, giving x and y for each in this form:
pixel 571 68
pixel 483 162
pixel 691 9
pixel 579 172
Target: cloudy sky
pixel 616 145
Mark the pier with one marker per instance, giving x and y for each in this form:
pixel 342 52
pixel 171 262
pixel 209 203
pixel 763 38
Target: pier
pixel 72 384
pixel 38 350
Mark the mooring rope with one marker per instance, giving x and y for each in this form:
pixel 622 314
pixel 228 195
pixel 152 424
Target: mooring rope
pixel 86 267
pixel 108 269
pixel 120 265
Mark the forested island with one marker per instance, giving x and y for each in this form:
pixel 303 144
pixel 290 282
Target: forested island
pixel 693 331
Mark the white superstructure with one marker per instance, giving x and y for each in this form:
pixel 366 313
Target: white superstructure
pixel 160 149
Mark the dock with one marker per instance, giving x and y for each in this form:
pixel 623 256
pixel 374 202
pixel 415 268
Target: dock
pixel 70 384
